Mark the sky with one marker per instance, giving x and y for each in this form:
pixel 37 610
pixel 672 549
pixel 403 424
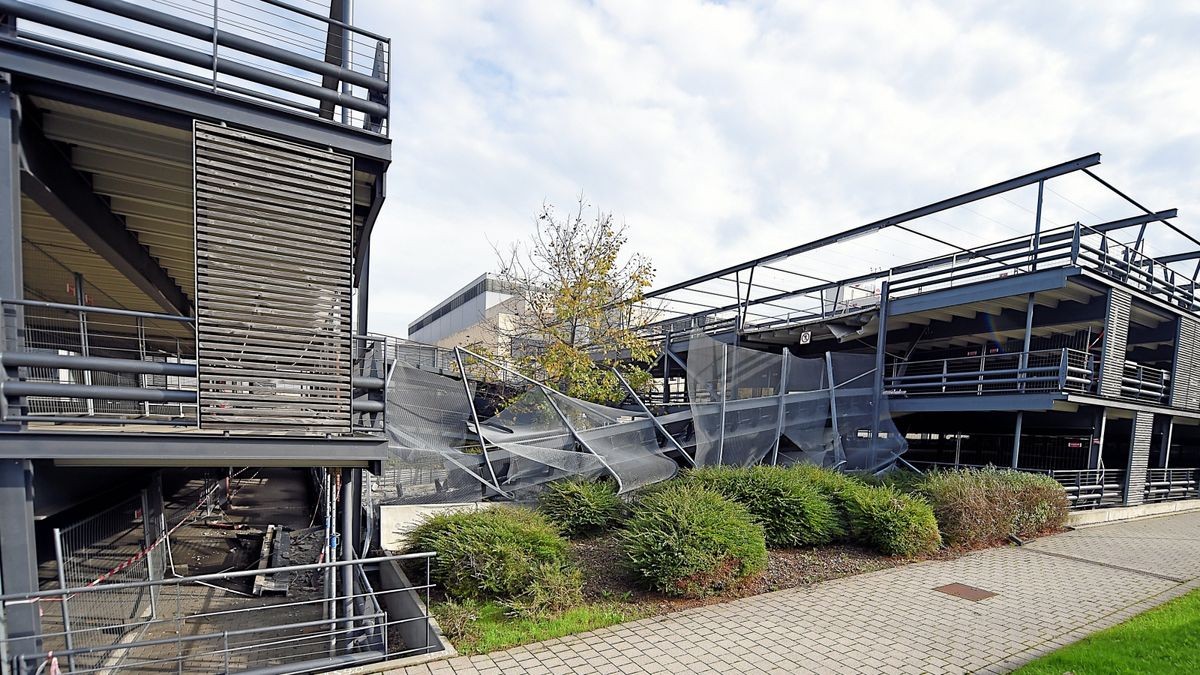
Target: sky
pixel 718 132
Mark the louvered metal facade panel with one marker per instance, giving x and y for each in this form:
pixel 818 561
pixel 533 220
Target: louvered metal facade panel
pixel 273 283
pixel 1185 372
pixel 1139 457
pixel 1116 337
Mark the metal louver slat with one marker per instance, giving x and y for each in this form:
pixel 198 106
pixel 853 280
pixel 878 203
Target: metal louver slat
pixel 273 269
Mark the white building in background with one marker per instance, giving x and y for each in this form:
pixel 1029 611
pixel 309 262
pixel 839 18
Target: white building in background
pixel 463 318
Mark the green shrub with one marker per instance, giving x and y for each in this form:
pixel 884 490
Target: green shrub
pixel 492 553
pixel 890 521
pixel 835 485
pixel 555 588
pixel 982 507
pixel 685 540
pixel 457 620
pixel 791 510
pixel 581 506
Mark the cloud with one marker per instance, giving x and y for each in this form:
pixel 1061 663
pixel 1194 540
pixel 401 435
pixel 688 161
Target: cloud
pixel 719 132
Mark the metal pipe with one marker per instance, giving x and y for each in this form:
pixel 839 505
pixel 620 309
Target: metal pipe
pixel 67 362
pixel 362 405
pixel 94 310
pixel 17 388
pixel 657 424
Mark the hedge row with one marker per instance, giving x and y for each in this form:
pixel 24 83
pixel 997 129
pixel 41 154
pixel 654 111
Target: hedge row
pixel 982 507
pixel 710 529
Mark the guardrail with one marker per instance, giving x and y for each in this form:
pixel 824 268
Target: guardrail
pixel 1145 383
pixel 189 633
pixel 1169 484
pixel 1035 371
pixel 269 51
pixel 77 363
pixel 1092 488
pixel 1075 245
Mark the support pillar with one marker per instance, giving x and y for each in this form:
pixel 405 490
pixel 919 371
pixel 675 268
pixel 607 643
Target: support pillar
pixel 1016 447
pixel 348 506
pixel 877 386
pixel 12 320
pixel 1139 457
pixel 18 554
pixel 1116 339
pixel 1096 448
pixel 1164 446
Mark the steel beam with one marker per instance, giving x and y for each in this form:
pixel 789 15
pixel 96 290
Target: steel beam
pixel 99 448
pixel 48 178
pixel 936 207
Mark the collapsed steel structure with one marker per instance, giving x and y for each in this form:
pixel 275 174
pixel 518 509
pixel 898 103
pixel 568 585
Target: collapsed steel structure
pixel 746 407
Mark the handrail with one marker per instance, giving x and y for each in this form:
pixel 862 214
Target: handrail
pixel 286 61
pixel 1038 370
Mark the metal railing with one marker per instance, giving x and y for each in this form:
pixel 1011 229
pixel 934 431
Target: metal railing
pixel 275 52
pixel 196 630
pixel 1169 484
pixel 1145 383
pixel 1075 245
pixel 1092 488
pixel 1035 371
pixel 64 363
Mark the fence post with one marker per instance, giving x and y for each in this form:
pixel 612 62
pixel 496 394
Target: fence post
pixel 68 635
pixel 1063 370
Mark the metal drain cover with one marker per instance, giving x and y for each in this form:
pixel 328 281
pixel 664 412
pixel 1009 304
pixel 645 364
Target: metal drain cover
pixel 965 592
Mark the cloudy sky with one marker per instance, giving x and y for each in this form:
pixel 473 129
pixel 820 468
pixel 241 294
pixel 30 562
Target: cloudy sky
pixel 722 131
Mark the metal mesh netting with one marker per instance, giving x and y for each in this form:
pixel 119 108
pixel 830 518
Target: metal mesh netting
pixel 431 456
pixel 436 455
pixel 735 402
pixel 747 407
pixel 736 408
pixel 854 401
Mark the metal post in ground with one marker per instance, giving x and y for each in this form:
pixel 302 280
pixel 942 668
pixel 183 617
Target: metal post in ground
pixel 349 504
pixel 68 635
pixel 783 378
pixel 724 396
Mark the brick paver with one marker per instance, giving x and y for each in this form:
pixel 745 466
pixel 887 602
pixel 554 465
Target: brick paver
pixel 1049 593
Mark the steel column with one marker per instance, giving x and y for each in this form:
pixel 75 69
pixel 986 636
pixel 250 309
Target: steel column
pixel 12 323
pixel 724 396
pixel 1016 448
pixel 877 385
pixel 839 455
pixel 783 378
pixel 18 555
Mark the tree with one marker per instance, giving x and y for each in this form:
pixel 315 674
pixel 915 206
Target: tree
pixel 575 313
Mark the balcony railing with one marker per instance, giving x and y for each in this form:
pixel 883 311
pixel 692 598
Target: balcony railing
pixel 275 52
pixel 1092 488
pixel 1170 484
pixel 1071 246
pixel 1145 383
pixel 76 364
pixel 1035 371
pixel 82 364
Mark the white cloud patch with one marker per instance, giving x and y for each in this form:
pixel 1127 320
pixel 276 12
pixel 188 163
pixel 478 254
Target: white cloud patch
pixel 719 132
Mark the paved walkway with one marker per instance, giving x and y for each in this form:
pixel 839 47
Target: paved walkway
pixel 1048 594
